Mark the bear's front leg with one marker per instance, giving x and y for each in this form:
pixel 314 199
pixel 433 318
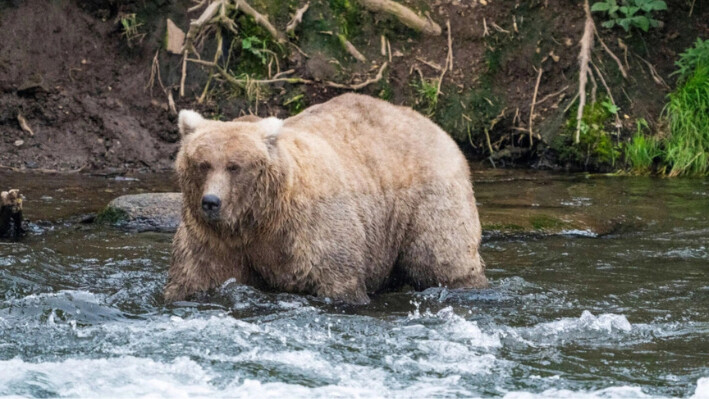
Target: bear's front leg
pixel 198 267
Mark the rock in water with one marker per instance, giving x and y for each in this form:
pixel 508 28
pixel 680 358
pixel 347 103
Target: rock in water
pixel 144 212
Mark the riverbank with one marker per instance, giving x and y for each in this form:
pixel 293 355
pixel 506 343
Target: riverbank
pixel 89 85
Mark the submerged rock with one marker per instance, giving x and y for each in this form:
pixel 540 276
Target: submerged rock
pixel 144 212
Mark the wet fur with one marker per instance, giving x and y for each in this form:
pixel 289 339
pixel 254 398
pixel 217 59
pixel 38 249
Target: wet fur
pixel 349 197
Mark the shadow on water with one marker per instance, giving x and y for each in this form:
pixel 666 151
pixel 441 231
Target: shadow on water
pixel 612 313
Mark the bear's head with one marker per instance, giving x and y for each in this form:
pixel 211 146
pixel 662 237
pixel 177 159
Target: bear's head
pixel 228 171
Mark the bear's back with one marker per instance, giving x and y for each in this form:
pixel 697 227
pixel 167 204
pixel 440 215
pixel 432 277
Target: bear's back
pixel 377 142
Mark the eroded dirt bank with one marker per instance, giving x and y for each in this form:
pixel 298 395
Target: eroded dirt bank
pixel 70 73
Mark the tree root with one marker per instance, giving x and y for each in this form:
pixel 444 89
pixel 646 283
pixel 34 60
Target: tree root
pixel 404 14
pixel 297 18
pixel 363 84
pixel 584 59
pixel 534 102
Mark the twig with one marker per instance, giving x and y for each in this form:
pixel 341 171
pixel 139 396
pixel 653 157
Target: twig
pixel 297 18
pixel 450 46
pixel 534 102
pixel 485 31
pixel 240 82
pixel 383 45
pixel 573 100
pixel 617 61
pixel 404 14
pixel 184 74
pixel 363 84
pixel 691 9
pixel 499 28
pixel 448 59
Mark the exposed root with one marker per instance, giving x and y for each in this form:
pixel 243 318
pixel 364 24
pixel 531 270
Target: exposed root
pixel 534 102
pixel 24 125
pixel 404 14
pixel 584 59
pixel 362 85
pixel 653 72
pixel 449 59
pixel 297 18
pixel 260 19
pixel 618 124
pixel 616 59
pixel 351 49
pixel 552 95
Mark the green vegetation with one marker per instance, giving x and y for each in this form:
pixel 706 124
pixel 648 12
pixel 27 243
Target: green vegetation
pixel 426 91
pixel 131 29
pixel 597 147
pixel 687 113
pixel 630 13
pixel 642 151
pixel 545 222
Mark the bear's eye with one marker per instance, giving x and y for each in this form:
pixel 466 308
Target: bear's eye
pixel 233 168
pixel 204 166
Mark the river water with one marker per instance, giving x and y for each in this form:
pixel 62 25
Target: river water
pixel 619 312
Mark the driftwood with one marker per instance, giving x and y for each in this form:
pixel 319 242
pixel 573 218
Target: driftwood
pixel 404 14
pixel 11 214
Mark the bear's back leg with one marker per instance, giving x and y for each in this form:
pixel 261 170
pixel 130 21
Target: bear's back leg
pixel 442 240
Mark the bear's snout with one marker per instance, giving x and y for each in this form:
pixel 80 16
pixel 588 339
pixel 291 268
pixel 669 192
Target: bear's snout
pixel 211 204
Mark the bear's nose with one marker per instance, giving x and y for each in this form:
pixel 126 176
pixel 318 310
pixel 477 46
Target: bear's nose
pixel 211 203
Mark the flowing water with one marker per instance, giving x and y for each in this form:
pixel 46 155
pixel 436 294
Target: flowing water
pixel 623 314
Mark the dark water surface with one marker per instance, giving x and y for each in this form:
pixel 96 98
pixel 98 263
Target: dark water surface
pixel 624 314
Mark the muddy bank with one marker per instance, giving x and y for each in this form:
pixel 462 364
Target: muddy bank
pixel 76 90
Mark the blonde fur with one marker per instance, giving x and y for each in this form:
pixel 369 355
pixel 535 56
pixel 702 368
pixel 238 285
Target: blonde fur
pixel 346 199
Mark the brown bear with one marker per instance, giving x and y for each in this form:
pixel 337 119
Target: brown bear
pixel 345 199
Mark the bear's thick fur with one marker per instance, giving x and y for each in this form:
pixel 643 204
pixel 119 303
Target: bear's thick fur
pixel 347 198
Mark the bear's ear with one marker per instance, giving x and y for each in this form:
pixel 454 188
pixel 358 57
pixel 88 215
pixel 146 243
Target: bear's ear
pixel 189 121
pixel 271 126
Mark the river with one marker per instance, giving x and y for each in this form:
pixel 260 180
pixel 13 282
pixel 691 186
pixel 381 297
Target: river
pixel 612 305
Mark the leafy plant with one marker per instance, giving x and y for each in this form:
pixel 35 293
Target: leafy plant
pixel 256 47
pixel 130 27
pixel 630 13
pixel 426 95
pixel 691 58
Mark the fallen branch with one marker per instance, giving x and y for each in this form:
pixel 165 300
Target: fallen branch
pixel 297 18
pixel 404 14
pixel 363 84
